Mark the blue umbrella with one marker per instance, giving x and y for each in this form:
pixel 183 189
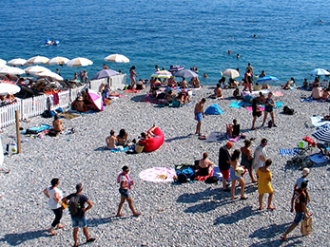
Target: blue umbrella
pixel 105 73
pixel 185 73
pixel 268 78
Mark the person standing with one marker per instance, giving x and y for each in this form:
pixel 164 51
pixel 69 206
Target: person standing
pixel 125 185
pixel 234 165
pixel 85 76
pixel 199 114
pixel 81 76
pixel 299 199
pixel 249 67
pixel 260 155
pixel 76 202
pixel 247 158
pixel 269 105
pixel 131 76
pixel 256 112
pixel 248 81
pixel 303 178
pixel 55 198
pixel 264 178
pixel 224 164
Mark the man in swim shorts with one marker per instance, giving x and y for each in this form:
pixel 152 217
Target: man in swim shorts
pixel 199 115
pixel 224 163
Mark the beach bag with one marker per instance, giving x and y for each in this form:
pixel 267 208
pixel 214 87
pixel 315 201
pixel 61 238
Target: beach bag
pixel 138 148
pixel 270 124
pixel 176 103
pixel 48 114
pixel 212 180
pixel 185 169
pixel 74 207
pixel 129 87
pixel 306 226
pixel 287 110
pixel 182 178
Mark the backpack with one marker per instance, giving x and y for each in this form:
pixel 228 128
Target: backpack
pixel 288 111
pixel 182 178
pixel 74 207
pixel 212 180
pixel 270 124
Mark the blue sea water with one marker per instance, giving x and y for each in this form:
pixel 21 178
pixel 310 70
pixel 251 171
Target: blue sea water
pixel 290 41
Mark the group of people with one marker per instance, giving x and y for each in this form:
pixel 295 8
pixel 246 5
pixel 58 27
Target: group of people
pixel 269 103
pixel 83 103
pixel 83 76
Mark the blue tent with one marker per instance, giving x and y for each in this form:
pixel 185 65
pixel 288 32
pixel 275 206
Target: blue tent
pixel 213 110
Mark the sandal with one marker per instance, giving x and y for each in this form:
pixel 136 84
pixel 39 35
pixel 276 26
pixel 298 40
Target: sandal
pixel 137 214
pixel 261 208
pixel 284 238
pixel 244 198
pixel 271 208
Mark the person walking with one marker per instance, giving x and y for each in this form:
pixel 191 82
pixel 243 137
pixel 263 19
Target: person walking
pixel 125 185
pixel 264 178
pixel 260 155
pixel 235 175
pixel 303 178
pixel 269 105
pixel 76 202
pixel 299 199
pixel 224 164
pixel 55 198
pixel 199 114
pixel 131 76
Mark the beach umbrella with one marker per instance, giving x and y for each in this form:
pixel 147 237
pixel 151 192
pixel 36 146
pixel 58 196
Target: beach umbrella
pixel 49 74
pixel 2 62
pixel 176 68
pixel 230 73
pixel 105 73
pixel 35 69
pixel 78 62
pixel 319 72
pixel 17 62
pixel 116 58
pixel 11 70
pixel 97 99
pixel 57 61
pixel 37 60
pixel 323 135
pixel 268 78
pixel 187 73
pixel 162 74
pixel 7 88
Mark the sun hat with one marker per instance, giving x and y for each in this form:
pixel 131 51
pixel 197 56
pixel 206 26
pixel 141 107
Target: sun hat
pixel 305 171
pixel 80 98
pixel 229 145
pixel 239 171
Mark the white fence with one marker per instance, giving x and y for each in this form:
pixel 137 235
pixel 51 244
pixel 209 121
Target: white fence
pixel 36 105
pixel 115 82
pixel 95 84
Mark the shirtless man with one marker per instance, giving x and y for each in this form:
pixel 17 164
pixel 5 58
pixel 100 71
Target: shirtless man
pixel 111 140
pixel 184 83
pixel 57 124
pixel 171 82
pixel 78 105
pixel 199 115
pixel 249 67
pixel 217 92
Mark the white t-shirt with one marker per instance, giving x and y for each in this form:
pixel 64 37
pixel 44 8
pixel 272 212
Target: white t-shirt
pixel 125 180
pixel 51 202
pixel 299 182
pixel 257 162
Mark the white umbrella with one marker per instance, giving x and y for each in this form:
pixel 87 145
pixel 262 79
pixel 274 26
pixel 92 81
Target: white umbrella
pixel 117 58
pixel 318 72
pixel 7 88
pixel 57 61
pixel 2 62
pixel 35 69
pixel 17 62
pixel 11 70
pixel 50 74
pixel 79 61
pixel 37 60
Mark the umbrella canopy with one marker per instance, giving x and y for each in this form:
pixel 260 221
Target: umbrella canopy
pixel 319 72
pixel 57 61
pixel 323 135
pixel 17 62
pixel 50 74
pixel 116 58
pixel 230 73
pixel 11 70
pixel 2 62
pixel 7 88
pixel 105 73
pixel 78 62
pixel 97 99
pixel 162 74
pixel 176 68
pixel 35 69
pixel 187 73
pixel 37 60
pixel 268 78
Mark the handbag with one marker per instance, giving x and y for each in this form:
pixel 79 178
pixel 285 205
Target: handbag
pixel 63 205
pixel 306 226
pixel 138 148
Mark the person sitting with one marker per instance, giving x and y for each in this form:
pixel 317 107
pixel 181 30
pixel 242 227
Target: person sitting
pixel 325 94
pixel 292 82
pixel 317 92
pixel 195 82
pixel 236 94
pixel 139 84
pixel 257 87
pixel 233 83
pixel 78 105
pixel 111 140
pixel 57 125
pixel 223 83
pixel 217 93
pixel 105 92
pixel 169 96
pixel 122 138
pixel 205 166
pixel 183 97
pixel 149 134
pixel 233 130
pixel 262 74
pixel 184 83
pixel 265 86
pixel 286 86
pixel 171 82
pixel 305 84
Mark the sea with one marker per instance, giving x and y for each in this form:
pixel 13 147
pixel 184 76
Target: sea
pixel 291 37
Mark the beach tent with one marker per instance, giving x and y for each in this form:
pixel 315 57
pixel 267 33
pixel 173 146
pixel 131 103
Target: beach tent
pixel 213 110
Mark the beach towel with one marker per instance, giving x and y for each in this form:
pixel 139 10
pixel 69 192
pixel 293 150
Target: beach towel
pixel 132 91
pixel 36 129
pixel 249 108
pixel 317 121
pixel 127 177
pixel 217 173
pixel 56 99
pixel 233 139
pixel 278 94
pixel 190 103
pixel 278 105
pixel 215 137
pixel 69 116
pixel 213 110
pixel 318 158
pixel 203 178
pixel 158 174
pixel 236 104
pixel 116 150
pixel 288 152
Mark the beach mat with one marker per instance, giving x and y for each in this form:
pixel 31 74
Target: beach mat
pixel 216 137
pixel 69 116
pixel 158 174
pixel 288 152
pixel 131 91
pixel 278 94
pixel 249 108
pixel 116 150
pixel 317 121
pixel 236 104
pixel 318 158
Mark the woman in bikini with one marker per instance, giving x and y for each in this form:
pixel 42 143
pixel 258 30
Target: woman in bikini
pixel 233 168
pixel 131 76
pixel 248 80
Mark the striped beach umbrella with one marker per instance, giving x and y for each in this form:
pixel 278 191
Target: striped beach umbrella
pixel 230 73
pixel 78 62
pixel 37 60
pixel 162 74
pixel 116 58
pixel 323 135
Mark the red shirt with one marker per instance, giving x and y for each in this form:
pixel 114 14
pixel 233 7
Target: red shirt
pixel 299 199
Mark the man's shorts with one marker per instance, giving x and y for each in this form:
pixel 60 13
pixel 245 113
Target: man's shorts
pixel 124 193
pixel 199 116
pixel 79 222
pixel 299 217
pixel 225 174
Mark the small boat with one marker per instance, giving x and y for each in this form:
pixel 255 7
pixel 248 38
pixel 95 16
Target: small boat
pixel 52 42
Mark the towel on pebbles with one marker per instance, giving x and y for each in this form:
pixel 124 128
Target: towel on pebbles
pixel 216 137
pixel 278 94
pixel 317 121
pixel 288 152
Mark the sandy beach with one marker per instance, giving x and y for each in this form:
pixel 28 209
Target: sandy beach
pixel 191 214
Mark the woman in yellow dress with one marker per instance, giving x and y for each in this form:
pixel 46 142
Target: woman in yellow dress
pixel 264 178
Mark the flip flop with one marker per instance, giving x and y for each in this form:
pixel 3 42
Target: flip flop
pixel 244 198
pixel 271 208
pixel 284 238
pixel 261 208
pixel 137 214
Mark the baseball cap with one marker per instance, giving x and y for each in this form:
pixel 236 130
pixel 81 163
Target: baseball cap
pixel 305 171
pixel 264 141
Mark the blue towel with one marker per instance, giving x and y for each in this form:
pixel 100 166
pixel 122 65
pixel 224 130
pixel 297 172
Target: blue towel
pixel 236 104
pixel 116 150
pixel 278 105
pixel 288 152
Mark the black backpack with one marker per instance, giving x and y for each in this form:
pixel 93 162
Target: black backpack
pixel 182 178
pixel 212 180
pixel 288 111
pixel 74 207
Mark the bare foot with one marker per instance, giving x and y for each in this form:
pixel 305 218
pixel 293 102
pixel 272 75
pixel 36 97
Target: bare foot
pixel 137 214
pixel 52 232
pixel 119 215
pixel 60 226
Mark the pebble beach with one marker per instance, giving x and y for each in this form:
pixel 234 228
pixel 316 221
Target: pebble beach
pixel 190 214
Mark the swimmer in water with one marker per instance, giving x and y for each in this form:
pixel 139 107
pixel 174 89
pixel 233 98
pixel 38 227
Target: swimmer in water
pixel 254 36
pixel 205 75
pixel 229 52
pixel 238 56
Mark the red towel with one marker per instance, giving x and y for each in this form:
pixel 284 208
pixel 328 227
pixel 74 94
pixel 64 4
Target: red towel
pixel 56 99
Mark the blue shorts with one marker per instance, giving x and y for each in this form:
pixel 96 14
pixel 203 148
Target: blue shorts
pixel 233 175
pixel 199 116
pixel 124 193
pixel 79 222
pixel 299 217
